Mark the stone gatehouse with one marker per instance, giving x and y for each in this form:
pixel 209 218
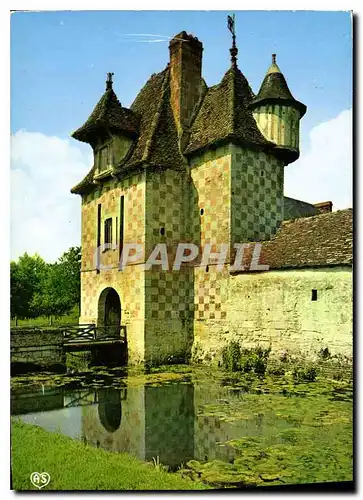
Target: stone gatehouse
pixel 205 165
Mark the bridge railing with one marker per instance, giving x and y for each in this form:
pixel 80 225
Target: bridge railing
pixel 89 332
pixel 79 332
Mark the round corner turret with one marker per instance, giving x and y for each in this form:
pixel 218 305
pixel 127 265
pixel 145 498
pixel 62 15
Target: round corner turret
pixel 278 114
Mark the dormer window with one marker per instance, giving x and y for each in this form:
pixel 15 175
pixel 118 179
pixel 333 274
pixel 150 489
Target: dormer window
pixel 111 131
pixel 104 158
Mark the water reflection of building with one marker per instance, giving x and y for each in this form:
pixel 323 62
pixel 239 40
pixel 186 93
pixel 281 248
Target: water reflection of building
pixel 174 422
pixel 154 422
pixel 168 422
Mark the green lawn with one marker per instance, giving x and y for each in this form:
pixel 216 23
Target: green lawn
pixel 73 465
pixel 71 318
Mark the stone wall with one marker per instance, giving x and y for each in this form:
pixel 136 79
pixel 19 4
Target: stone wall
pixel 41 348
pixel 26 402
pixel 275 308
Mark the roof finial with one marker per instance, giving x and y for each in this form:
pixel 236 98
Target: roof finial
pixel 273 58
pixel 109 81
pixel 233 50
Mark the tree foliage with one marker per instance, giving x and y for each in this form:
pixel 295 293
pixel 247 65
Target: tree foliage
pixel 40 288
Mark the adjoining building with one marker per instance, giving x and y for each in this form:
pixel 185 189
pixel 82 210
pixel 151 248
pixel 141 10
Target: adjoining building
pixel 205 165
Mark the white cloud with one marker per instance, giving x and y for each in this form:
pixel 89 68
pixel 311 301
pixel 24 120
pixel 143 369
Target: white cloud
pixel 324 171
pixel 45 216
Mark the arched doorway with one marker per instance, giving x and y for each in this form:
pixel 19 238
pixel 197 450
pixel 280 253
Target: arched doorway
pixel 109 312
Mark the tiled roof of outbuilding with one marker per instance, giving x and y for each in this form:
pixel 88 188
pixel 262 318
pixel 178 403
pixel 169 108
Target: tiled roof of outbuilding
pixel 321 240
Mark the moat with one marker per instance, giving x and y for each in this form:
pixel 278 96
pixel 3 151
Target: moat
pixel 205 423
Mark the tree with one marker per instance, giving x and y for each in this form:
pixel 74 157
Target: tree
pixel 39 288
pixel 25 277
pixel 71 274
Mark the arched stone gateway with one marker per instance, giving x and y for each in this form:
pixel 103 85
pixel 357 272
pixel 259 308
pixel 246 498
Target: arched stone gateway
pixel 109 311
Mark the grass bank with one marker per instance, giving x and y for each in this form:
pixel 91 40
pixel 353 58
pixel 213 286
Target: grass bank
pixel 73 465
pixel 68 319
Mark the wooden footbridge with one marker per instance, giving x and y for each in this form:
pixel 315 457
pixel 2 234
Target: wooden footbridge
pixel 46 347
pixel 84 336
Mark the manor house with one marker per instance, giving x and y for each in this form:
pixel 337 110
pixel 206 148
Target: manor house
pixel 205 165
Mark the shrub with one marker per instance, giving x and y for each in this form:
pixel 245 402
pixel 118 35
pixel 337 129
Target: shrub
pixel 305 374
pixel 231 357
pixel 246 360
pixel 255 360
pixel 276 369
pixel 324 353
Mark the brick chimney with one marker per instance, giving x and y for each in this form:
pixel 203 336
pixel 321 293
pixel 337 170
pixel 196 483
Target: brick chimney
pixel 324 207
pixel 185 77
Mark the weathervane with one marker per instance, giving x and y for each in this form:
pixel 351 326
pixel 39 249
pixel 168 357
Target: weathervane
pixel 233 50
pixel 109 81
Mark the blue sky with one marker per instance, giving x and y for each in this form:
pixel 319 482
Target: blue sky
pixel 59 62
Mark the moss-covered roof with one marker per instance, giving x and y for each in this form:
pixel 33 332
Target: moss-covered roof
pixel 85 184
pixel 320 240
pixel 293 209
pixel 274 90
pixel 224 114
pixel 158 143
pixel 109 112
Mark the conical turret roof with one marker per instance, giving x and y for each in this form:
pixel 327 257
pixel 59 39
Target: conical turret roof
pixel 274 90
pixel 108 112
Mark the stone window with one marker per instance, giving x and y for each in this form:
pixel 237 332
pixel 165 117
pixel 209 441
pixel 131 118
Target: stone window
pixel 108 230
pixel 121 226
pixel 314 294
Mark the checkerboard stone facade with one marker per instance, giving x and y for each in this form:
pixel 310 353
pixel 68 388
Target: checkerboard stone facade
pixel 210 203
pixel 257 197
pixel 224 196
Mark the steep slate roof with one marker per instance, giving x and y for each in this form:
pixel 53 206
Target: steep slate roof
pixel 321 240
pixel 294 209
pixel 109 112
pixel 224 114
pixel 157 144
pixel 274 89
pixel 85 184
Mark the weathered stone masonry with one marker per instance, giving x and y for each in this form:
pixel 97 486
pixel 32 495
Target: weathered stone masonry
pixel 39 347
